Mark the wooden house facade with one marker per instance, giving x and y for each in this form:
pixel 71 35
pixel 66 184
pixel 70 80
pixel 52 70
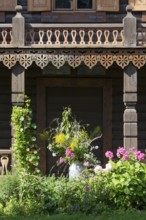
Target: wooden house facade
pixel 87 54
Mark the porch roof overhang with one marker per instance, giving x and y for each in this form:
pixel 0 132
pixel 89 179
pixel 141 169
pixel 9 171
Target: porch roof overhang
pixel 74 57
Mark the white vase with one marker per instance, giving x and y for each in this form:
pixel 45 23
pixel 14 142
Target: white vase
pixel 75 169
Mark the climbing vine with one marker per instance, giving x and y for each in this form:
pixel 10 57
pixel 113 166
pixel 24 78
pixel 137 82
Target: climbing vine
pixel 26 151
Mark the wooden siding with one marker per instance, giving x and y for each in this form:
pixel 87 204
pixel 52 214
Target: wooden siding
pixel 141 109
pixel 57 17
pixel 118 110
pixel 5 108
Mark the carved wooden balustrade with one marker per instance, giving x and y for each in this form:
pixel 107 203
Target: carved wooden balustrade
pixel 74 35
pixel 6 161
pixel 6 38
pixel 141 34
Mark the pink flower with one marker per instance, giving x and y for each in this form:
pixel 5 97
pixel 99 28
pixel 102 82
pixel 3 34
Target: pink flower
pixel 121 151
pixel 62 160
pixel 69 153
pixel 139 156
pixel 132 149
pixel 109 154
pixel 126 156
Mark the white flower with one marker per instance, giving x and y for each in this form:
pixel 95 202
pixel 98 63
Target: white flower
pixel 96 147
pixel 53 154
pixel 108 167
pixel 97 168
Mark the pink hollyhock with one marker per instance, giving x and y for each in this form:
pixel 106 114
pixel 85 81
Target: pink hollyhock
pixel 69 153
pixel 62 160
pixel 109 154
pixel 121 151
pixel 132 149
pixel 139 155
pixel 126 156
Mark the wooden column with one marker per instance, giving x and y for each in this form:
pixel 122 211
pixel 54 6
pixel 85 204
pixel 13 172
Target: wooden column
pixel 130 31
pixel 18 28
pixel 130 100
pixel 18 85
pixel 130 84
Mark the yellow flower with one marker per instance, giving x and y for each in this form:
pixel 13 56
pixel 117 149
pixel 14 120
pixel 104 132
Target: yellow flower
pixel 84 133
pixel 60 138
pixel 74 143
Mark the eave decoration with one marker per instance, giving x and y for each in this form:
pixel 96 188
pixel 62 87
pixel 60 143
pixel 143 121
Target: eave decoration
pixel 74 58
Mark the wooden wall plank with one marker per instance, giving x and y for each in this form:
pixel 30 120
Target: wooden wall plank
pixel 39 5
pixel 110 5
pixel 8 5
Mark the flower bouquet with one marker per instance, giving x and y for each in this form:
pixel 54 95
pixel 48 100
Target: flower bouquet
pixel 69 140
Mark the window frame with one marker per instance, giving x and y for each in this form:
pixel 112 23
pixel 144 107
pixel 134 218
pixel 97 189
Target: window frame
pixel 74 7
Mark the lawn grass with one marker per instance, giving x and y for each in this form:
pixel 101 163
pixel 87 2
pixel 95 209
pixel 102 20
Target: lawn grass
pixel 117 215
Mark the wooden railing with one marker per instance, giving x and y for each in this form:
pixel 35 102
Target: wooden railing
pixel 6 38
pixel 74 35
pixel 6 161
pixel 141 34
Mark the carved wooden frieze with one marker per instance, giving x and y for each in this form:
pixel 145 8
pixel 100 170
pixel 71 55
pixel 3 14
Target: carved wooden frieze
pixel 138 5
pixel 107 5
pixel 39 5
pixel 74 58
pixel 8 5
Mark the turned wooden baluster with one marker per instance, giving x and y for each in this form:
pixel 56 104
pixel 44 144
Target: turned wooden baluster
pixel 4 162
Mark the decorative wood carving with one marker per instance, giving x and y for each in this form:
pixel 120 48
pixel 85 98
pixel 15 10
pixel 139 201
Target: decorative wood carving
pixel 73 58
pixel 107 5
pixel 8 5
pixel 4 161
pixel 138 5
pixel 39 5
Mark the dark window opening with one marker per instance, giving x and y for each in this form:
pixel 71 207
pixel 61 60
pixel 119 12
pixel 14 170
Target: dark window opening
pixel 84 4
pixel 63 4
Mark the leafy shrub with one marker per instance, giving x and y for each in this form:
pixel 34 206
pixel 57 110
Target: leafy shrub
pixel 13 208
pixel 37 194
pixel 126 181
pixel 8 188
pixel 25 147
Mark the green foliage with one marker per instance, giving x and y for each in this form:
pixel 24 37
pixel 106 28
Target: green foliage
pixel 128 184
pixel 37 194
pixel 126 181
pixel 25 147
pixel 8 188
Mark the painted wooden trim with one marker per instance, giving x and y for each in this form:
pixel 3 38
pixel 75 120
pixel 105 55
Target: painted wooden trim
pixel 138 5
pixel 8 5
pixel 110 5
pixel 39 5
pixel 106 84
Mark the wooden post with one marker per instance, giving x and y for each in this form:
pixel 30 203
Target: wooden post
pixel 130 113
pixel 130 84
pixel 18 28
pixel 130 32
pixel 18 85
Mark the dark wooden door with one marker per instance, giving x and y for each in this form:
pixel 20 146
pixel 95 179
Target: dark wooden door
pixel 91 103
